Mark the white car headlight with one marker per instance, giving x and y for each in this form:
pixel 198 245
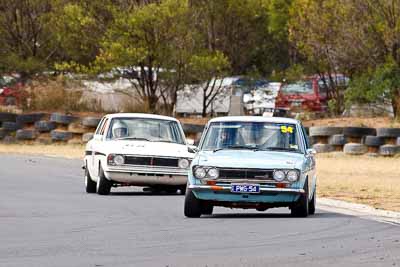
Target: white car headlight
pixel 200 173
pixel 213 173
pixel 279 176
pixel 119 160
pixel 183 163
pixel 292 176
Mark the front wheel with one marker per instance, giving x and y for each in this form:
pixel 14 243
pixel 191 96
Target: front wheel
pixel 193 206
pixel 313 203
pixel 103 186
pixel 301 208
pixel 90 186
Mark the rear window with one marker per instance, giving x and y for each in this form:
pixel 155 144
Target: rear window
pixel 298 88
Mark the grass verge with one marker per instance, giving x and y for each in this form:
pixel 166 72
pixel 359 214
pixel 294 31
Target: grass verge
pixel 360 179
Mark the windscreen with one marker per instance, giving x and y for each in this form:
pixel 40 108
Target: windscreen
pixel 251 135
pixel 153 130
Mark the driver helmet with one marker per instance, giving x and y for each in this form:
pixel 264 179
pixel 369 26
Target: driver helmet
pixel 119 129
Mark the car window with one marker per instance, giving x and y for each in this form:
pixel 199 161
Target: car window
pixel 103 126
pixel 155 130
pixel 99 126
pixel 306 139
pixel 252 135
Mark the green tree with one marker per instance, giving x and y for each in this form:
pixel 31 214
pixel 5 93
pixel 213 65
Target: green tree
pixel 25 35
pixel 151 42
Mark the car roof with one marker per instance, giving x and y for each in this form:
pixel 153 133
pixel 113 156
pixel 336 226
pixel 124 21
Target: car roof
pixel 140 115
pixel 254 119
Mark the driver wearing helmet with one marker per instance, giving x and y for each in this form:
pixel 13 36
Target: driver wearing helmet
pixel 119 129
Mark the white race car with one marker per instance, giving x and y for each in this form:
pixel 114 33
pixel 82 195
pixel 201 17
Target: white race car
pixel 137 149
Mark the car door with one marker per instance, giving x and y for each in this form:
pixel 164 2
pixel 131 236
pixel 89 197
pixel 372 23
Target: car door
pixel 94 146
pixel 310 162
pixel 98 144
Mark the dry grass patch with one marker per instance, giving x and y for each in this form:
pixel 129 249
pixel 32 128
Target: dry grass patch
pixel 361 179
pixel 54 150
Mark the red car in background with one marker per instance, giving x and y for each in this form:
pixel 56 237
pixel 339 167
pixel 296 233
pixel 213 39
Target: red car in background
pixel 301 96
pixel 11 90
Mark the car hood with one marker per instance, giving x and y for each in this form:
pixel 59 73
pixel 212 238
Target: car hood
pixel 250 159
pixel 145 148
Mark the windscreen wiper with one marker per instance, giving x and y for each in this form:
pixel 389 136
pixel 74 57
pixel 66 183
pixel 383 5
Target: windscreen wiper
pixel 277 148
pixel 236 147
pixel 133 138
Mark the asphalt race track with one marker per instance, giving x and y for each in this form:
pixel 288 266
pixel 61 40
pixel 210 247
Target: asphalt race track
pixel 46 219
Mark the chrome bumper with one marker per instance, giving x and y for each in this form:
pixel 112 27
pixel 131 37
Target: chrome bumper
pixel 147 169
pixel 146 179
pixel 262 190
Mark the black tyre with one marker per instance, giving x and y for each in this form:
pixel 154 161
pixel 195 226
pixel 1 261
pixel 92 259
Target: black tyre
pixel 4 116
pixel 313 203
pixel 323 148
pixel 325 131
pixel 193 206
pixel 44 126
pixel 388 132
pixel 389 150
pixel 3 133
pixel 358 131
pixel 62 119
pixel 60 136
pixel 90 185
pixel 355 149
pixel 301 208
pixel 90 121
pixel 337 140
pixel 26 134
pixel 11 126
pixel 182 189
pixel 103 185
pixel 207 209
pixel 86 137
pixel 29 118
pixel 373 141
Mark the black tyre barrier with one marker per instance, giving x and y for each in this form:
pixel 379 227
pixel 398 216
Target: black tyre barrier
pixel 323 148
pixel 44 126
pixel 192 128
pixel 26 134
pixel 87 137
pixel 62 119
pixel 90 121
pixel 389 150
pixel 358 131
pixel 355 149
pixel 60 136
pixel 4 116
pixel 325 131
pixel 337 140
pixel 388 132
pixel 29 118
pixel 11 126
pixel 373 141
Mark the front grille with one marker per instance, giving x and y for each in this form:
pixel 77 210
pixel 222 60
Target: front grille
pixel 256 174
pixel 151 161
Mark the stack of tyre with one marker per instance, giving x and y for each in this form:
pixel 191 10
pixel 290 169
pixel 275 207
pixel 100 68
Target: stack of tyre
pixel 356 140
pixel 46 128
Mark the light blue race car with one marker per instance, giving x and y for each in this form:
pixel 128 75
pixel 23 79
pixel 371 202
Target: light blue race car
pixel 252 162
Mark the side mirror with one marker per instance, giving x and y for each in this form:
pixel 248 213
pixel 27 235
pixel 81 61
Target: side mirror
pixel 192 149
pixel 190 141
pixel 311 151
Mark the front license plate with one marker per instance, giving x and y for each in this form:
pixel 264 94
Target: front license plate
pixel 245 188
